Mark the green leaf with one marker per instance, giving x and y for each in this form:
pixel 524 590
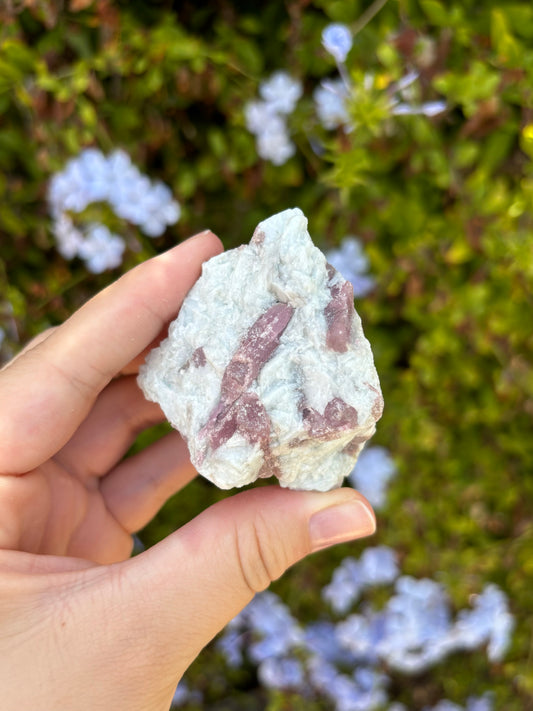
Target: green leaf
pixel 435 12
pixel 510 52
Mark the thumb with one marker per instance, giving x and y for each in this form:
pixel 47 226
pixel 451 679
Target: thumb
pixel 200 577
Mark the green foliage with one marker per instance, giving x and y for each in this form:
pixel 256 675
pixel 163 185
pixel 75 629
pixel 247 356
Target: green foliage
pixel 443 205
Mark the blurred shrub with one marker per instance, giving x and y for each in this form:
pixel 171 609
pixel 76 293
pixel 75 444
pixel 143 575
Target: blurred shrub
pixel 441 203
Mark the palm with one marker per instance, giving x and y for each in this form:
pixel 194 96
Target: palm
pixel 87 500
pixel 62 515
pixel 70 409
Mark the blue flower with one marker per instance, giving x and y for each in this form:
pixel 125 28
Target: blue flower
pixel 351 261
pixel 372 473
pixel 101 249
pixel 337 40
pixel 428 108
pixel 446 705
pixel 378 566
pixel 417 625
pixel 231 644
pixel 320 641
pixel 345 587
pixel 322 674
pixel 489 622
pixel 363 691
pixel 362 635
pixel 270 626
pixel 330 100
pixel 267 119
pixel 281 673
pixel 92 177
pixel 480 703
pixel 274 143
pixel 281 92
pixel 257 115
pixel 184 695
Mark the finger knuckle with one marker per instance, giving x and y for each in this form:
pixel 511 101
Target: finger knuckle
pixel 261 554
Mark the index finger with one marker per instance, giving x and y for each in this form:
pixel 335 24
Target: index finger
pixel 48 391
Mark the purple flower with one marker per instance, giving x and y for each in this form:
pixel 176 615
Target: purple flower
pixel 332 96
pixel 412 632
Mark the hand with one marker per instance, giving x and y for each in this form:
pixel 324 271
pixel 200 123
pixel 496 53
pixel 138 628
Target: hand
pixel 82 625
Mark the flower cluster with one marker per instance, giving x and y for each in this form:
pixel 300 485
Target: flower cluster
pixel 333 96
pixel 274 631
pixel 473 703
pixel 267 118
pixel 377 566
pixel 413 631
pixel 92 177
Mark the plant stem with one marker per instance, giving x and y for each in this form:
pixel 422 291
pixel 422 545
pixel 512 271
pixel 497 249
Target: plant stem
pixel 368 15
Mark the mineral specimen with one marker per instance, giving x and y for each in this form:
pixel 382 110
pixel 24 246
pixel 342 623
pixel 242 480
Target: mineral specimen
pixel 266 370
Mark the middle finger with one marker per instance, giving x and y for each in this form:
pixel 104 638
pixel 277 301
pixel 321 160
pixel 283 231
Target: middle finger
pixel 119 414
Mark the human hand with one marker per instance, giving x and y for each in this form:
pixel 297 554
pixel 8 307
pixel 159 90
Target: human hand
pixel 82 625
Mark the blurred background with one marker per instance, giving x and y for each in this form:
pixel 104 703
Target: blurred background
pixel 404 131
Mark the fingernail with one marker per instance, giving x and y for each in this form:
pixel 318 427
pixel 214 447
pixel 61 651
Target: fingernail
pixel 199 235
pixel 344 522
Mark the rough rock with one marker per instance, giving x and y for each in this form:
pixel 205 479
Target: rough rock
pixel 266 370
